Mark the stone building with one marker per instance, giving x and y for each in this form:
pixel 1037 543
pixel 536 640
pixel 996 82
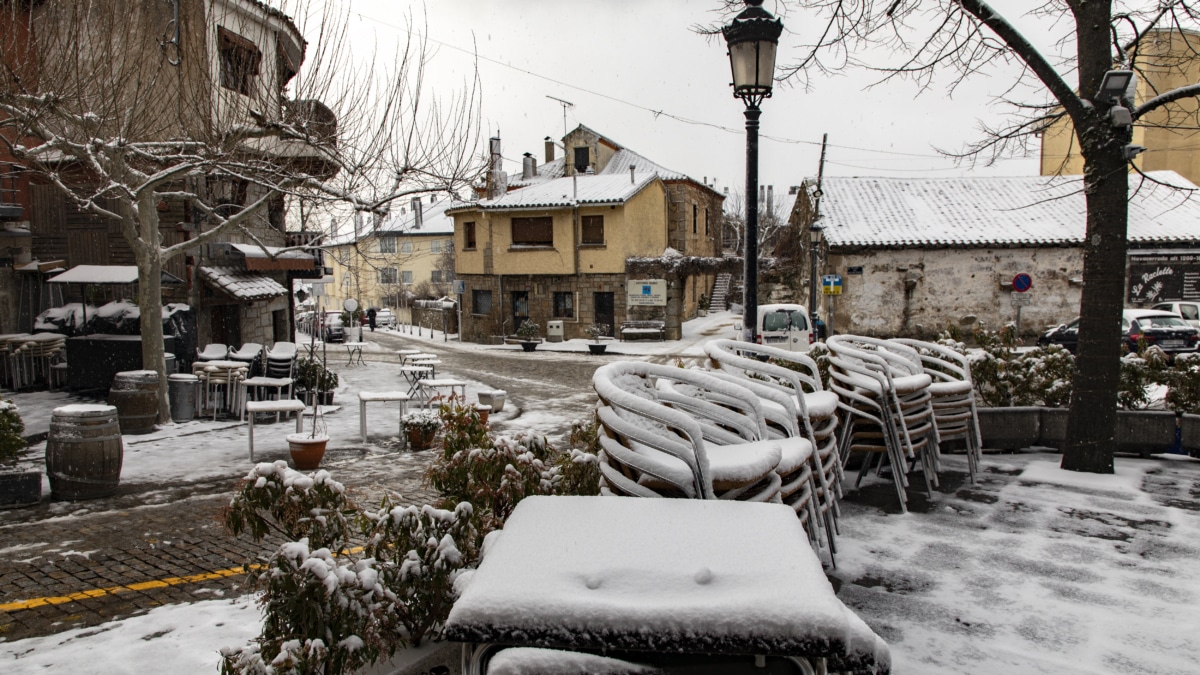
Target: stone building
pixel 554 243
pixel 918 255
pixel 221 62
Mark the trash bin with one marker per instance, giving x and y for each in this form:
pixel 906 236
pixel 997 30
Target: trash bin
pixel 182 389
pixel 170 363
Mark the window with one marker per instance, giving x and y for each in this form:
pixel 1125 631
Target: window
pixel 592 231
pixel 706 221
pixel 481 302
pixel 387 275
pixel 435 246
pixel 406 277
pixel 240 59
pixel 695 218
pixel 533 231
pixel 387 245
pixel 564 305
pixel 436 276
pixel 469 236
pixel 406 247
pixel 583 160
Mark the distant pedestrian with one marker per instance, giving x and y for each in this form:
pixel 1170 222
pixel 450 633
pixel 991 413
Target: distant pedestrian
pixel 371 319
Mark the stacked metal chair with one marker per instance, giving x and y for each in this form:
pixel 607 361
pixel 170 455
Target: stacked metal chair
pixel 250 354
pixel 213 352
pixel 885 399
pixel 661 438
pixel 953 397
pixel 815 410
pixel 280 360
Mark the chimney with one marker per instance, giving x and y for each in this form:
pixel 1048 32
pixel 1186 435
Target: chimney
pixel 549 150
pixel 762 194
pixel 418 213
pixel 631 168
pixel 495 169
pixel 794 190
pixel 770 195
pixel 528 167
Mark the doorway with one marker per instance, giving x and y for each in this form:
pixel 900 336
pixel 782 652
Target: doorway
pixel 603 311
pixel 227 325
pixel 520 308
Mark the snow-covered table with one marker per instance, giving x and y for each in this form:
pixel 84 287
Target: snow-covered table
pixel 646 579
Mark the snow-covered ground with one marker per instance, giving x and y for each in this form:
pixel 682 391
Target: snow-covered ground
pixel 1034 571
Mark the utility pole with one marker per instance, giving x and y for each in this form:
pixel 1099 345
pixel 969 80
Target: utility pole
pixel 814 234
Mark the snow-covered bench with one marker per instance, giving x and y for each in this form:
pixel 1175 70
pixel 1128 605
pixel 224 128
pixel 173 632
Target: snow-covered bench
pixel 365 397
pixel 637 329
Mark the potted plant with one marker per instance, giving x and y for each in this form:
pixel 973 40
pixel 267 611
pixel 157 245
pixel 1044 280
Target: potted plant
pixel 314 382
pixel 528 335
pixel 702 305
pixel 17 487
pixel 420 427
pixel 595 332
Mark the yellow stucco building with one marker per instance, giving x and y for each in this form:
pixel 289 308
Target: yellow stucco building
pixel 1166 60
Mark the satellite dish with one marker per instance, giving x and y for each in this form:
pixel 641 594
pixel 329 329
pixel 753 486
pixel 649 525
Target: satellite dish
pixel 350 304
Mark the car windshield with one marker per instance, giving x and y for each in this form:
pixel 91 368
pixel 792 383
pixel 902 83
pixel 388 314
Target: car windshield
pixel 1161 322
pixel 781 320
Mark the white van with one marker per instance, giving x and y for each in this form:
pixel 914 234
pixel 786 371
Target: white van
pixel 785 326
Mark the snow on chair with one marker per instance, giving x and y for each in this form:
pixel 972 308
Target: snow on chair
pixel 213 352
pixel 886 402
pixel 953 392
pixel 250 353
pixel 652 448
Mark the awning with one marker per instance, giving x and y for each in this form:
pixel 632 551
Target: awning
pixel 240 284
pixel 106 274
pixel 260 260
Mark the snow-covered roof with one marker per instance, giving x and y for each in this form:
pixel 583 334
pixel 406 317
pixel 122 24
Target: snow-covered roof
pixel 994 211
pixel 402 221
pixel 555 168
pixel 240 284
pixel 106 274
pixel 562 192
pixel 626 158
pixel 256 251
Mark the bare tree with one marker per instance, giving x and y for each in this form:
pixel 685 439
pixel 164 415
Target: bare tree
pixel 772 220
pixel 923 40
pixel 95 101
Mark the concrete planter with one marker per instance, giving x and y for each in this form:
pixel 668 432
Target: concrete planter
pixel 1009 428
pixel 1139 432
pixel 20 488
pixel 494 398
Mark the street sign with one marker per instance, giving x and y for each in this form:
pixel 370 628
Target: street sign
pixel 831 284
pixel 460 287
pixel 646 293
pixel 1020 299
pixel 1022 282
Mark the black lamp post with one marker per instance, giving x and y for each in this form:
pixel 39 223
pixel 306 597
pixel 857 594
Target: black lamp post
pixel 814 234
pixel 753 37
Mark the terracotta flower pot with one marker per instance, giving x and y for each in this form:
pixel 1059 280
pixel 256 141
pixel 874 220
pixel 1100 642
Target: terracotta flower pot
pixel 306 450
pixel 420 439
pixel 484 411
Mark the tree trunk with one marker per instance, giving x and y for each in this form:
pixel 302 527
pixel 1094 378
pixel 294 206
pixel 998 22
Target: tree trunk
pixel 148 252
pixel 1092 421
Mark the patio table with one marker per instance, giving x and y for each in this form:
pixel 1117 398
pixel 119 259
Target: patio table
pixel 656 580
pixel 354 351
pixel 430 387
pixel 413 375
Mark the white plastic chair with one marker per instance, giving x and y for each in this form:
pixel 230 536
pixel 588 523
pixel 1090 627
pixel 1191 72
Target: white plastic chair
pixel 213 352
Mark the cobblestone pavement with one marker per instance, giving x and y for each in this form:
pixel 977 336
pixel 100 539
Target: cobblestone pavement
pixel 70 565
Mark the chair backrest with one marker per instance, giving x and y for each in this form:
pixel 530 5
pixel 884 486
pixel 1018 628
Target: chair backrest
pixel 213 352
pixel 281 351
pixel 939 362
pixel 250 350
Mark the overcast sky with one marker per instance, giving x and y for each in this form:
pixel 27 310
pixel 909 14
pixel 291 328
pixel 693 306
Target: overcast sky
pixel 620 61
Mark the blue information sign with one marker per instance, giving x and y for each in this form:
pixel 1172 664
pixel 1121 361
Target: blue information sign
pixel 1022 282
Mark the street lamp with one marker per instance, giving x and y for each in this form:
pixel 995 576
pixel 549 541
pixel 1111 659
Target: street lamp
pixel 814 234
pixel 753 37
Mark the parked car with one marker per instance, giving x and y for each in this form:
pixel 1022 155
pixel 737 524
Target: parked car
pixel 385 319
pixel 784 326
pixel 304 322
pixel 333 329
pixel 1190 311
pixel 1166 330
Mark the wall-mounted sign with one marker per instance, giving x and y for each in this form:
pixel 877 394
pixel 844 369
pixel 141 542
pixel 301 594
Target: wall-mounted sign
pixel 1022 282
pixel 460 287
pixel 1163 277
pixel 854 270
pixel 646 293
pixel 831 284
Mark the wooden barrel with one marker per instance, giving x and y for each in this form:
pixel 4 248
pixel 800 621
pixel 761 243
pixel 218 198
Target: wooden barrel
pixel 135 394
pixel 84 452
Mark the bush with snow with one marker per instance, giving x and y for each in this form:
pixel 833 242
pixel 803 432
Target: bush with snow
pixel 12 439
pixel 326 606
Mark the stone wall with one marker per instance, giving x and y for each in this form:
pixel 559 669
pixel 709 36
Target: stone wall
pixel 913 292
pixel 541 289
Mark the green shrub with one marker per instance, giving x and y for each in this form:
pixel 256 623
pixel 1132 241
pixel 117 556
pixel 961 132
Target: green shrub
pixel 12 434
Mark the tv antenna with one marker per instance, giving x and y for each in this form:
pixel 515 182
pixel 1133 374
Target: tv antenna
pixel 565 105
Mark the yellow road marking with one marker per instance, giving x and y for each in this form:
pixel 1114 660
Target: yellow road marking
pixel 140 586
